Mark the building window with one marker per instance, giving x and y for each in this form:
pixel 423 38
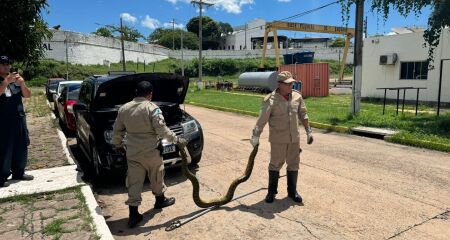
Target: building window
pixel 232 47
pixel 240 47
pixel 414 70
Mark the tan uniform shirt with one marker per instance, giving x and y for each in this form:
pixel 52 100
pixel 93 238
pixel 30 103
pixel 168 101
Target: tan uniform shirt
pixel 144 125
pixel 283 117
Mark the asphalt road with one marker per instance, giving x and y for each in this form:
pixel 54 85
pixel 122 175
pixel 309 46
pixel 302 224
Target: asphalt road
pixel 353 188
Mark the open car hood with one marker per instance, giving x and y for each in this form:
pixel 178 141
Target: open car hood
pixel 117 91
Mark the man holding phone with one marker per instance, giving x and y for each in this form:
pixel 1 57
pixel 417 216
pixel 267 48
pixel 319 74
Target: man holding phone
pixel 14 138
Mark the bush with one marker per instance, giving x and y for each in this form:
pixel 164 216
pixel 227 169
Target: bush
pixel 37 82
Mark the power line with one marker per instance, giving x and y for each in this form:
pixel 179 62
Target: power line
pixel 299 14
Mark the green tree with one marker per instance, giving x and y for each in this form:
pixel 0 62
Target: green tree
pixel 338 42
pixel 225 28
pixel 439 18
pixel 129 33
pixel 165 38
pixel 210 31
pixel 103 32
pixel 23 30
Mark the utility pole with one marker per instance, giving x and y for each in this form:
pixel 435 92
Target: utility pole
pixel 365 28
pixel 245 45
pixel 124 68
pixel 182 56
pixel 357 57
pixel 66 41
pixel 173 34
pixel 200 6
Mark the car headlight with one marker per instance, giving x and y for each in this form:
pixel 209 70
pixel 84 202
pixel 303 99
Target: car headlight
pixel 189 127
pixel 108 136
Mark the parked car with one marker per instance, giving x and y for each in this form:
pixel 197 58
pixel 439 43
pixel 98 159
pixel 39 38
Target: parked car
pixel 50 87
pixel 97 106
pixel 64 105
pixel 59 89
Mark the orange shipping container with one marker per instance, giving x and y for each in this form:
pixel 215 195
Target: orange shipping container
pixel 315 77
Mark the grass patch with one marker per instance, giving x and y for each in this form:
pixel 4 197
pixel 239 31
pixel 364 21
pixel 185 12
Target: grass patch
pixel 54 227
pixel 37 103
pixel 332 113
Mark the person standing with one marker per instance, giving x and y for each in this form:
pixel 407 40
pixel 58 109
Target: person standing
pixel 283 109
pixel 14 139
pixel 145 127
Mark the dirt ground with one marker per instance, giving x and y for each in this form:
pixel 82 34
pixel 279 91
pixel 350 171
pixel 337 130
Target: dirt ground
pixel 353 188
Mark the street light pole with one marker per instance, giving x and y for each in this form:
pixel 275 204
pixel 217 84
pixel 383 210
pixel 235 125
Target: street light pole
pixel 200 35
pixel 357 57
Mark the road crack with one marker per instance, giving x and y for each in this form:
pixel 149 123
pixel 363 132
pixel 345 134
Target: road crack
pixel 444 216
pixel 301 223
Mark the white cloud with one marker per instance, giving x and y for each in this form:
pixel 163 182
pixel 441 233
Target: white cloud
pixel 128 18
pixel 169 25
pixel 150 23
pixel 230 6
pixel 284 0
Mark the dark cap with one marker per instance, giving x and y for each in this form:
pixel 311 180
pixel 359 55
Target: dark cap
pixel 5 59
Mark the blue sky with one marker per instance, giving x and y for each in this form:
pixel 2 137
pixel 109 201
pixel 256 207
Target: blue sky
pixel 145 15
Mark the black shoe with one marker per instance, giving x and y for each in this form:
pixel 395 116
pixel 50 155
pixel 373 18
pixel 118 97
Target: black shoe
pixel 24 177
pixel 292 186
pixel 162 201
pixel 4 184
pixel 134 217
pixel 273 186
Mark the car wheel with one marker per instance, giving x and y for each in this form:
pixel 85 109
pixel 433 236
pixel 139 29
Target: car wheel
pixel 98 169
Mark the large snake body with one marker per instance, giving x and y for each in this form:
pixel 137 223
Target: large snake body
pixel 230 193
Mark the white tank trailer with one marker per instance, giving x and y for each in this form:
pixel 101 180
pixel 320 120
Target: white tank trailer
pixel 258 81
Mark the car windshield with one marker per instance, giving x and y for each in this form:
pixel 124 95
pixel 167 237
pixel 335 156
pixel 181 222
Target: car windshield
pixel 73 95
pixel 53 85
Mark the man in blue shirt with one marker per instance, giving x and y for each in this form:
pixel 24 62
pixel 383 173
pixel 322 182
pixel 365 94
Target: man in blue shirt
pixel 14 139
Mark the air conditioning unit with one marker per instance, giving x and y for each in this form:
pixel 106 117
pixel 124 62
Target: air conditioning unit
pixel 388 59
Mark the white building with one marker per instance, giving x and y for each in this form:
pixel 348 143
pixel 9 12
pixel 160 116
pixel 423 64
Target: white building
pixel 250 36
pixel 79 48
pixel 401 61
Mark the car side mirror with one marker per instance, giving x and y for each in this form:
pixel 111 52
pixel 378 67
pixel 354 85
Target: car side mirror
pixel 79 107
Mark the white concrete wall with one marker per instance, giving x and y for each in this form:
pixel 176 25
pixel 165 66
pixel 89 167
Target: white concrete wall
pixel 319 53
pixel 91 49
pixel 409 47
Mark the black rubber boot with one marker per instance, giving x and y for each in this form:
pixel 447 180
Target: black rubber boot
pixel 24 177
pixel 273 186
pixel 292 186
pixel 4 184
pixel 162 201
pixel 134 217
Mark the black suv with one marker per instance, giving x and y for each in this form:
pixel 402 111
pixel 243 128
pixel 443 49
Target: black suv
pixel 96 110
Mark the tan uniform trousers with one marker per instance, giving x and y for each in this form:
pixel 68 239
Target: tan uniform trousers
pixel 284 152
pixel 150 165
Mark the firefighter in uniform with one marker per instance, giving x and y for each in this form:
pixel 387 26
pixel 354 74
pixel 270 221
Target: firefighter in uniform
pixel 284 108
pixel 14 139
pixel 144 125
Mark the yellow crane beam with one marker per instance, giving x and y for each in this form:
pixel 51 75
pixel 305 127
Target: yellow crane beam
pixel 305 27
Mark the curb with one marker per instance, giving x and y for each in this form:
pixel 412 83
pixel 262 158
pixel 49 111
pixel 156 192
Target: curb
pixel 101 228
pixel 95 211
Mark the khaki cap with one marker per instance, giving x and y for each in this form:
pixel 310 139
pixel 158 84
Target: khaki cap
pixel 285 77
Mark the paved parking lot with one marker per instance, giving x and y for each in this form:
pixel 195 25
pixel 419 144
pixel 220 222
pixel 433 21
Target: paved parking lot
pixel 353 188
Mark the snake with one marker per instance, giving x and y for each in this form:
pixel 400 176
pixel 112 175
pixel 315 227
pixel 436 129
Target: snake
pixel 230 193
